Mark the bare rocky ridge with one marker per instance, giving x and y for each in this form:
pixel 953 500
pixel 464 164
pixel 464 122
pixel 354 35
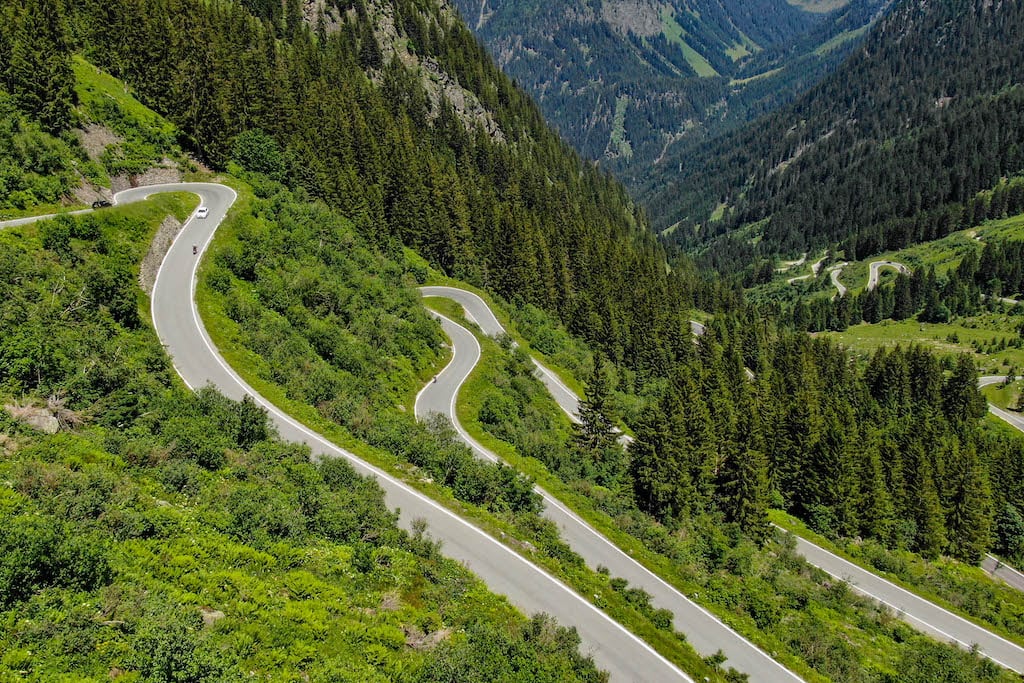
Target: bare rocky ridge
pixel 437 82
pixel 641 17
pixel 317 14
pixel 95 139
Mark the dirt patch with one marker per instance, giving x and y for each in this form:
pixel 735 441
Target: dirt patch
pixel 50 419
pixel 157 250
pixel 211 616
pixel 166 172
pixel 87 194
pixel 418 640
pixel 7 444
pixel 96 138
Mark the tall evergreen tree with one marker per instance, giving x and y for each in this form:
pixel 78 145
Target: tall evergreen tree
pixel 971 510
pixel 38 68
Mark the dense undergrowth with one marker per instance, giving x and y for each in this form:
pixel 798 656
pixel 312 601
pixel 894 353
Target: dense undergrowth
pixel 170 536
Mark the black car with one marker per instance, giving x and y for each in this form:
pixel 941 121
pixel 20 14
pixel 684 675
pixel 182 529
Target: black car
pixel 100 204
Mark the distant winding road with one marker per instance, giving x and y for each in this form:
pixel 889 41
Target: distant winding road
pixel 834 275
pixel 874 271
pixel 876 267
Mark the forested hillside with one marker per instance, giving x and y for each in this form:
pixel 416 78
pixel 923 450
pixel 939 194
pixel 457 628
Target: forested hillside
pixel 366 127
pixel 625 81
pixel 923 117
pixel 508 207
pixel 359 112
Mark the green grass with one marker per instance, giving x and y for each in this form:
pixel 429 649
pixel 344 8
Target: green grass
pixel 719 211
pixel 737 51
pixel 756 77
pixel 40 210
pixel 914 573
pixel 963 335
pixel 943 255
pixel 93 85
pixel 839 39
pixel 1011 228
pixel 675 34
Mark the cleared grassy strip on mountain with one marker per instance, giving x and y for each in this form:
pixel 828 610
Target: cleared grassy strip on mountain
pixel 991 338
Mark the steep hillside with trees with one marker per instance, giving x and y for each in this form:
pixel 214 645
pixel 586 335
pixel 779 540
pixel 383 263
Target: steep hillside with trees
pixel 346 111
pixel 627 81
pixel 924 116
pixel 357 129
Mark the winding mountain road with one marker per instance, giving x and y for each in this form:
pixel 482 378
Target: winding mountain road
pixel 918 612
pixel 834 272
pixel 924 615
pixel 703 630
pixel 177 322
pixel 874 271
pixel 626 657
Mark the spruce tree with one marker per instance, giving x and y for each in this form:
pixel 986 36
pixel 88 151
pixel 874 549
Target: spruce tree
pixel 744 492
pixel 595 435
pixel 970 519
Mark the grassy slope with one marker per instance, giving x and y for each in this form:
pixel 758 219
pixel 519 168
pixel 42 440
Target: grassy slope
pixel 675 34
pixel 224 333
pixel 292 596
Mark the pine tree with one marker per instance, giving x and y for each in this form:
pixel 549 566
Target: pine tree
pixel 970 517
pixel 595 435
pixel 743 492
pixel 930 538
pixel 1010 532
pixel 38 72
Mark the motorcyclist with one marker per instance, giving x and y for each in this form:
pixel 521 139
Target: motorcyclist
pixel 195 249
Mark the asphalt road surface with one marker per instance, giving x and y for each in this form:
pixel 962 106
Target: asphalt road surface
pixel 875 268
pixel 921 613
pixel 1010 576
pixel 176 319
pixel 704 631
pixel 834 274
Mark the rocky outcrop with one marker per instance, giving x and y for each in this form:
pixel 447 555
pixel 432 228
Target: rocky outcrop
pixel 641 17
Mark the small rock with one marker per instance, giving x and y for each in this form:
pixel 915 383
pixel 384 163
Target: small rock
pixel 211 616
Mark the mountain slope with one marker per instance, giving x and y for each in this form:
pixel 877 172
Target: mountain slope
pixel 925 115
pixel 623 80
pixel 370 112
